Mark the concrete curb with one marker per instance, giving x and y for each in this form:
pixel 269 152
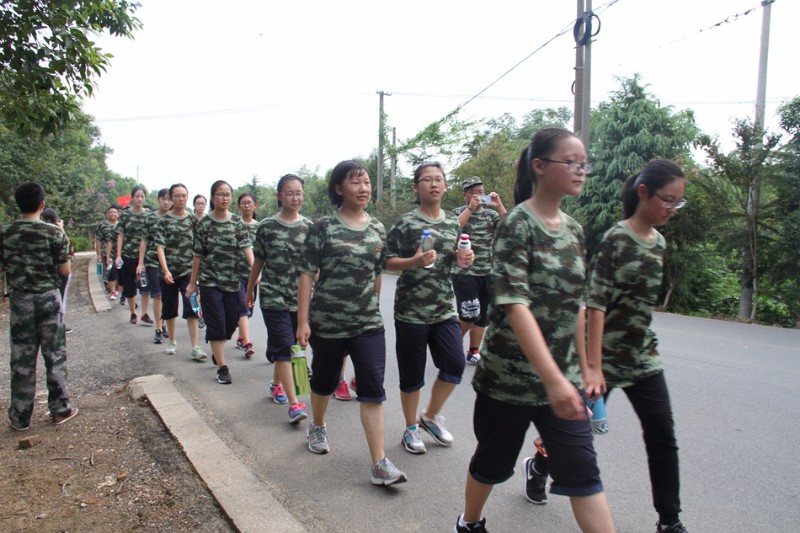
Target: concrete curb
pixel 246 502
pixel 97 292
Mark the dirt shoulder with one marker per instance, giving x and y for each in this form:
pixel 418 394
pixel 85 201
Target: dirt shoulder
pixel 113 467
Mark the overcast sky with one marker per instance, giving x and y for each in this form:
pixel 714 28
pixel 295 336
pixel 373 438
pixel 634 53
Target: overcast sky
pixel 211 90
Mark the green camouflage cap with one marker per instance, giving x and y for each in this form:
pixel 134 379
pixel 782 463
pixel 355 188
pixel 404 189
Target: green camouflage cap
pixel 469 182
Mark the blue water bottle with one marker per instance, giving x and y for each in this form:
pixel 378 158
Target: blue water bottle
pixel 195 303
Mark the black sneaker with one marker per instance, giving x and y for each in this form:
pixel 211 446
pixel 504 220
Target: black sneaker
pixel 224 376
pixel 535 483
pixel 133 318
pixel 121 300
pixel 146 320
pixel 473 527
pixel 677 527
pixel 158 337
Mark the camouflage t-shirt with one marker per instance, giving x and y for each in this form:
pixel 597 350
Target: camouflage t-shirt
pixel 218 244
pixel 132 226
pixel 545 270
pixel 480 227
pixel 624 283
pixel 151 253
pixel 107 233
pixel 279 244
pixel 424 295
pixel 349 260
pixel 176 236
pixel 30 252
pixel 250 228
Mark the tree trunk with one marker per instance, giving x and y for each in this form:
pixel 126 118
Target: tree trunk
pixel 746 290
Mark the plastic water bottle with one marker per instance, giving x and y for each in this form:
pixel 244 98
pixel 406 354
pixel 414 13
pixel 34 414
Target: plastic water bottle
pixel 143 279
pixel 300 371
pixel 427 243
pixel 464 244
pixel 119 263
pixel 195 303
pixel 107 271
pixel 599 419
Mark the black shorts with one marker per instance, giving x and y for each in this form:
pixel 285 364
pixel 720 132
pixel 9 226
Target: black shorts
pixel 170 294
pixel 127 276
pixel 281 333
pixel 368 354
pixel 413 340
pixel 500 428
pixel 220 312
pixel 473 296
pixel 113 273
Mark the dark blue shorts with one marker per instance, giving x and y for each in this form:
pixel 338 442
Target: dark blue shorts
pixel 368 354
pixel 413 340
pixel 244 310
pixel 220 312
pixel 281 333
pixel 500 428
pixel 154 281
pixel 170 294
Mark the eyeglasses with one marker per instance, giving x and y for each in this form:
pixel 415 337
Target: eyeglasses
pixel 292 194
pixel 223 195
pixel 247 204
pixel 572 166
pixel 671 204
pixel 431 180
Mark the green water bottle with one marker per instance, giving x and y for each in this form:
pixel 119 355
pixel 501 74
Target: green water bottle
pixel 300 371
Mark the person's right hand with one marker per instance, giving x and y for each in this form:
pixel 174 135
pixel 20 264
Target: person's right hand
pixel 594 383
pixel 168 278
pixel 303 334
pixel 192 287
pixel 566 401
pixel 475 202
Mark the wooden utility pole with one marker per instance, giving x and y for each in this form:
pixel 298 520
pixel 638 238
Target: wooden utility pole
pixel 583 70
pixel 381 126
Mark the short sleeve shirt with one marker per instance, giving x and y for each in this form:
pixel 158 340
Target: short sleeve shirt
pixel 30 252
pixel 624 283
pixel 480 228
pixel 132 226
pixel 424 295
pixel 107 233
pixel 219 244
pixel 250 228
pixel 151 228
pixel 349 260
pixel 279 244
pixel 176 236
pixel 543 269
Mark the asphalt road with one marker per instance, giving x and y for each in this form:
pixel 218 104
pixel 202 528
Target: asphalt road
pixel 734 392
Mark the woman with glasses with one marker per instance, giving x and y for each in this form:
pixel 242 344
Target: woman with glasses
pixel 276 253
pixel 424 315
pixel 623 289
pixel 219 240
pixel 247 207
pixel 530 371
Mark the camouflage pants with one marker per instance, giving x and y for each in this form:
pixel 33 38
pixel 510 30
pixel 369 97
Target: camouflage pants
pixel 37 321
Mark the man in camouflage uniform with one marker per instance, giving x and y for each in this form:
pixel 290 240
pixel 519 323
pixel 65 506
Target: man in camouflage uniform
pixel 107 237
pixel 33 254
pixel 472 286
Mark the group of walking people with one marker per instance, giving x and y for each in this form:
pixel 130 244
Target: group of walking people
pixel 318 283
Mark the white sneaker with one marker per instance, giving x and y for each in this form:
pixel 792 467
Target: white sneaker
pixel 172 348
pixel 435 428
pixel 412 441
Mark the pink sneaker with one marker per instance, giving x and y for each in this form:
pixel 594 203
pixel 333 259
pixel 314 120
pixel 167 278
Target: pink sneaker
pixel 113 296
pixel 342 393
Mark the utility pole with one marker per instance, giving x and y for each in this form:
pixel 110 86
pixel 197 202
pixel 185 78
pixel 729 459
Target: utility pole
pixel 393 171
pixel 583 70
pixel 381 126
pixel 748 297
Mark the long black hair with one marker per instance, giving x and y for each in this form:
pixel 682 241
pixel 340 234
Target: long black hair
pixel 342 171
pixel 543 144
pixel 655 174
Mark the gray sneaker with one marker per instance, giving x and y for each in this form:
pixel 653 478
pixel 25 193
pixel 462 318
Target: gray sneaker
pixel 199 355
pixel 435 427
pixel 385 473
pixel 412 441
pixel 318 438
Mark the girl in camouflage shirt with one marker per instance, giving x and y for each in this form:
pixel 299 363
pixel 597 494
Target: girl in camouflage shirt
pixel 424 315
pixel 131 229
pixel 347 249
pixel 247 207
pixel 218 242
pixel 530 371
pixel 623 289
pixel 276 254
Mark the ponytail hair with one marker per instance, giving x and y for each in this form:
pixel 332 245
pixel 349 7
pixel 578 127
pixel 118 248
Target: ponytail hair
pixel 655 175
pixel 543 144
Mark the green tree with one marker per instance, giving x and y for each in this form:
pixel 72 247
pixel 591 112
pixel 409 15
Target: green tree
pixel 48 60
pixel 629 130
